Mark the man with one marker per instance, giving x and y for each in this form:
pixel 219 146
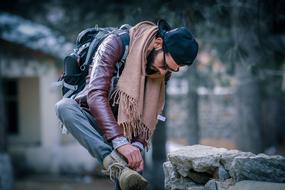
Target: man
pixel 116 129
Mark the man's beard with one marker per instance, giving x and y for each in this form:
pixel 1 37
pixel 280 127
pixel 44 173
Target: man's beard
pixel 150 62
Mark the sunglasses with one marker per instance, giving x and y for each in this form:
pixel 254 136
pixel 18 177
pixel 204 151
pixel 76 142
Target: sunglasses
pixel 165 65
pixel 153 70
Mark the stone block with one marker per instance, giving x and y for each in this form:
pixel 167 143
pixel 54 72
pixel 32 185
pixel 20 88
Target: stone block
pixel 222 174
pixel 198 177
pixel 228 157
pixel 259 185
pixel 199 158
pixel 215 184
pixel 259 168
pixel 219 168
pixel 173 181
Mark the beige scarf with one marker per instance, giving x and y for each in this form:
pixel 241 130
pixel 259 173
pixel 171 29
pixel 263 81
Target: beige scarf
pixel 140 98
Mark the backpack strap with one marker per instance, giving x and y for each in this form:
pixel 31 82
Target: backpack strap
pixel 92 48
pixel 62 83
pixel 125 37
pixel 72 88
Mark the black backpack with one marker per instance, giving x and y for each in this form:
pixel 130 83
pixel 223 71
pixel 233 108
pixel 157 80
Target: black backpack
pixel 76 64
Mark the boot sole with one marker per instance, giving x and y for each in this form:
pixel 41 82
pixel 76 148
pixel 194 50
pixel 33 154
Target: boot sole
pixel 136 183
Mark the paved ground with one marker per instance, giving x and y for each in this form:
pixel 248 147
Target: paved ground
pixel 63 183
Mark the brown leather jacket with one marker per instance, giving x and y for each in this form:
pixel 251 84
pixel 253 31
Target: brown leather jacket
pixel 95 96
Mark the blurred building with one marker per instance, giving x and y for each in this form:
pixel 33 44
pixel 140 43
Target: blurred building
pixel 29 63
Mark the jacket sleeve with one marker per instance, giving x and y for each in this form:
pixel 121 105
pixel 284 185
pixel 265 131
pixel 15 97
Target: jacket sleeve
pixel 104 62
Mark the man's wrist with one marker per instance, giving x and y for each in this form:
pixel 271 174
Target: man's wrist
pixel 139 145
pixel 119 141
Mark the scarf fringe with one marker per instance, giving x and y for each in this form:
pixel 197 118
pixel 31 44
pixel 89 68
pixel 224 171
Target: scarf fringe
pixel 129 104
pixel 136 128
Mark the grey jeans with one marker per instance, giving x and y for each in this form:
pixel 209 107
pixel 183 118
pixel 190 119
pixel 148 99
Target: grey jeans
pixel 83 127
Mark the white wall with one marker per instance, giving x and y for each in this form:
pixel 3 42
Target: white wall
pixel 40 146
pixel 50 134
pixel 29 117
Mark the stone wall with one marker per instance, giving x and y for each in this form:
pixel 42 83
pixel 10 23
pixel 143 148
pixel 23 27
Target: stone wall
pixel 201 167
pixel 216 117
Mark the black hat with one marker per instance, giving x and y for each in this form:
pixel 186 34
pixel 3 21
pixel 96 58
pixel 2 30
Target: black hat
pixel 163 27
pixel 181 45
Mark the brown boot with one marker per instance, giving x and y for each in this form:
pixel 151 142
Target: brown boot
pixel 132 180
pixel 116 167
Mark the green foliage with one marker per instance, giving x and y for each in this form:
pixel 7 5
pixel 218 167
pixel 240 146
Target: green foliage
pixel 234 30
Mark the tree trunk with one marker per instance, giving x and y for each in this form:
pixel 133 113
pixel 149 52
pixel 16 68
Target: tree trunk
pixel 158 156
pixel 3 141
pixel 248 104
pixel 193 99
pixel 154 173
pixel 248 97
pixel 6 171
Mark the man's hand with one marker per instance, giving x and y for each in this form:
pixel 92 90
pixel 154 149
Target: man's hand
pixel 133 156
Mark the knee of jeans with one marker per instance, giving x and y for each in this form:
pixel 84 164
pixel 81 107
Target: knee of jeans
pixel 64 105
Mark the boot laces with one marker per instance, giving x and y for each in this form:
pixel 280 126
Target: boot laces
pixel 115 170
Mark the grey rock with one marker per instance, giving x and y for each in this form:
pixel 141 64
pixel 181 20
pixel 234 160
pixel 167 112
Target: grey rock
pixel 259 185
pixel 199 164
pixel 170 175
pixel 215 184
pixel 198 177
pixel 260 168
pixel 173 181
pixel 228 157
pixel 199 158
pixel 222 174
pixel 196 188
pixel 181 184
pixel 211 185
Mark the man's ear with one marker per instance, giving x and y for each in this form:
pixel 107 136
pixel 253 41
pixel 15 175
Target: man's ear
pixel 158 42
